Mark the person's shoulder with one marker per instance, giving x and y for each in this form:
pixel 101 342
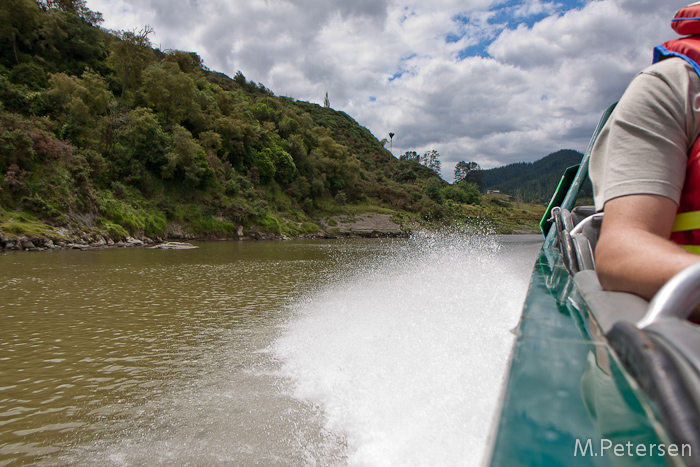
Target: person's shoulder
pixel 672 69
pixel 672 75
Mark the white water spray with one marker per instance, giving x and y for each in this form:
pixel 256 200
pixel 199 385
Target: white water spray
pixel 406 355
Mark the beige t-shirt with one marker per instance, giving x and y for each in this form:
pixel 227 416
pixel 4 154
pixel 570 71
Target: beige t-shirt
pixel 643 148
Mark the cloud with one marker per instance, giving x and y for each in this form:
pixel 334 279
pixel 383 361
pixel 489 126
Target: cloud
pixel 484 80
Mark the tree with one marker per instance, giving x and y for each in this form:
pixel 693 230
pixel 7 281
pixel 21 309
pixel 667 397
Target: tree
pixel 433 190
pixel 77 7
pixel 187 160
pixel 475 177
pixel 189 62
pixel 265 165
pixel 431 160
pixel 410 156
pixel 77 103
pixel 131 55
pixel 69 43
pixel 141 138
pixel 19 21
pixel 462 170
pixel 169 91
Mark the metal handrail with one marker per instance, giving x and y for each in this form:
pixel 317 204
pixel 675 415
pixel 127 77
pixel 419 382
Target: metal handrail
pixel 676 299
pixel 578 228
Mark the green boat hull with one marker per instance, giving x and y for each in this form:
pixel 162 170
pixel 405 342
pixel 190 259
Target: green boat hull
pixel 568 400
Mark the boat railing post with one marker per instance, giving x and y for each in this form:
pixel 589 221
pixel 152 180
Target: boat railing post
pixel 676 299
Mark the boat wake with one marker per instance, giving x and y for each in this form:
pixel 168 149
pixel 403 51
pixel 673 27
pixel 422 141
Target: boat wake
pixel 405 355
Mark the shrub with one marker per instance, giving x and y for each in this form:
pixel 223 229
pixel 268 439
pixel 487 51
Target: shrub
pixel 433 191
pixel 29 74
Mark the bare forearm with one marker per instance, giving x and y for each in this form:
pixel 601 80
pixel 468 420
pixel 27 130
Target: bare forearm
pixel 634 253
pixel 639 262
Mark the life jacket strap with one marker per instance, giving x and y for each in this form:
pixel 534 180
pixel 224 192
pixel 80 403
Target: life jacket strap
pixel 691 248
pixel 686 221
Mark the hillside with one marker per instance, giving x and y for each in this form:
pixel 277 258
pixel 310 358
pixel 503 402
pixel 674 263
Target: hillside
pixel 535 181
pixel 105 138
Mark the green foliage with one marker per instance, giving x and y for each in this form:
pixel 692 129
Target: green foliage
pixel 29 74
pixel 434 191
pixel 285 170
pixel 186 161
pixel 130 215
pixel 19 22
pixel 266 168
pixel 212 226
pixel 467 193
pixel 410 170
pixel 129 56
pixel 536 181
pixel 463 169
pixel 431 159
pixel 270 223
pixel 169 91
pixel 22 223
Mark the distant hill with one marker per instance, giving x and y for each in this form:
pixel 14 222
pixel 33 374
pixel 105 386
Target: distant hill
pixel 537 180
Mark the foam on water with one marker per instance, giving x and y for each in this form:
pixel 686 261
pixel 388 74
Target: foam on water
pixel 405 356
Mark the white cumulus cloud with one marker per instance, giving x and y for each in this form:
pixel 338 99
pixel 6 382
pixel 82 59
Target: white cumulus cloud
pixel 478 80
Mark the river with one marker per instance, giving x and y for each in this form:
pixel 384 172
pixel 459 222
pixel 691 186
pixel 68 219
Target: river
pixel 334 352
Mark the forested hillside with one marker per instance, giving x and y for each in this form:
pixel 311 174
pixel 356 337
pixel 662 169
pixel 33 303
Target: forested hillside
pixel 535 182
pixel 102 135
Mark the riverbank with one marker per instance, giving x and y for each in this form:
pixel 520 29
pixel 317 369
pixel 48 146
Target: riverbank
pixel 46 237
pixel 21 231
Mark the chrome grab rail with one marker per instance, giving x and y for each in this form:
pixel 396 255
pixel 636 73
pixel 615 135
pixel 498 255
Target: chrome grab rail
pixel 676 299
pixel 579 227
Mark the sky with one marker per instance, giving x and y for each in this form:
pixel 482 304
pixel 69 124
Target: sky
pixel 490 81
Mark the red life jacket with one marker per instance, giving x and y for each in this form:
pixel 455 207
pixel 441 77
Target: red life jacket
pixel 686 228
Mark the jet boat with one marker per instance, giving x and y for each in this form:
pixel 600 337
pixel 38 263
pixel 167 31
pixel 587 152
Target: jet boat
pixel 598 378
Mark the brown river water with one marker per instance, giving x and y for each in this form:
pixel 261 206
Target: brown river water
pixel 208 357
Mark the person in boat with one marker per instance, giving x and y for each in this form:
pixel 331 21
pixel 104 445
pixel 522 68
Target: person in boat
pixel 645 169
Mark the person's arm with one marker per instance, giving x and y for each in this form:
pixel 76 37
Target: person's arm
pixel 634 253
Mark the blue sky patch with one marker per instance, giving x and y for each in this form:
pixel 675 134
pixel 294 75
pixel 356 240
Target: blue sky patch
pixel 504 16
pixel 452 37
pixel 478 50
pixel 504 12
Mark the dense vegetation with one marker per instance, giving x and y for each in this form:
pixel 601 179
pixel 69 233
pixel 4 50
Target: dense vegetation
pixel 102 135
pixel 534 182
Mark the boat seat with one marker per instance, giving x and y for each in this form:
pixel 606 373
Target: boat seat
pixel 608 307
